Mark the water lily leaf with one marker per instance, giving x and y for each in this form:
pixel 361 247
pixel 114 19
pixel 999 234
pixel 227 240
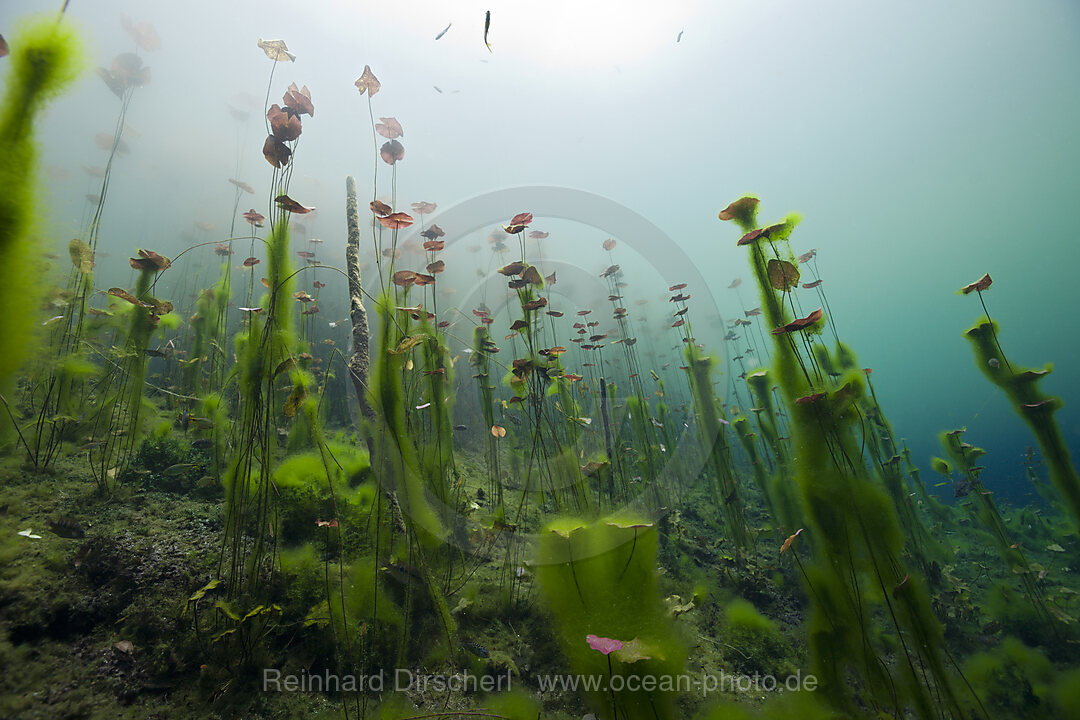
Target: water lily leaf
pixel 514 268
pixel 979 285
pixel 791 539
pixel 404 278
pixel 296 398
pixel 276 50
pixel 603 645
pixel 368 82
pixel 143 33
pixel 380 208
pixel 254 218
pixel 276 152
pixel 396 221
pixel 498 431
pixel 284 366
pixel 149 260
pixel 201 592
pixel 125 295
pixel 227 610
pixel 782 274
pixel 433 233
pixel 391 152
pixel 407 344
pixel 800 323
pixel 518 223
pixel 82 257
pixel 159 307
pixel 422 207
pixel 778 231
pixel 283 125
pixel 298 101
pixel 128 70
pixel 390 129
pixel 289 205
pixel 742 209
pixel 638 649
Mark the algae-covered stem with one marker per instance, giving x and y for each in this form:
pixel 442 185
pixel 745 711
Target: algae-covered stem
pixel 992 330
pixel 360 360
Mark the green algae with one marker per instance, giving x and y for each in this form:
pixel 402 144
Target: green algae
pixel 598 578
pixel 1036 409
pixel 46 58
pixel 855 566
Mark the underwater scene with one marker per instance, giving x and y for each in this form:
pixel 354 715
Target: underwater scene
pixel 577 360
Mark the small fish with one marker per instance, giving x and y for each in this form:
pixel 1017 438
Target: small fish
pixel 153 353
pixel 439 36
pixel 679 38
pixel 403 573
pixel 461 427
pixel 67 527
pixel 487 26
pixel 437 89
pixel 994 363
pixel 29 533
pixel 202 443
pixel 51 320
pixel 475 648
pixel 178 469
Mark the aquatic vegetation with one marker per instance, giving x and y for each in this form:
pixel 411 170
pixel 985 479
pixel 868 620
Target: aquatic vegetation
pixel 46 60
pixel 532 477
pixel 599 581
pixel 1034 407
pixel 1014 680
pixel 115 429
pixel 760 648
pixel 965 459
pixel 853 564
pixel 715 444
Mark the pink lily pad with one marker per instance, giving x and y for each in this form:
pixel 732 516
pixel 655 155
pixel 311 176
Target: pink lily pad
pixel 603 645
